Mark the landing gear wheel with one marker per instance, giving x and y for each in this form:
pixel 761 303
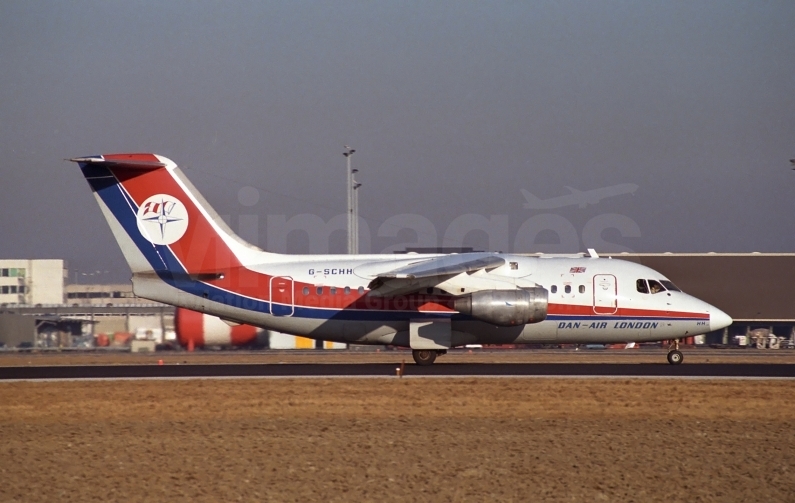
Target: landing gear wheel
pixel 675 357
pixel 424 357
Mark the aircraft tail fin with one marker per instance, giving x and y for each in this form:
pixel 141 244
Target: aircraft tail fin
pixel 162 224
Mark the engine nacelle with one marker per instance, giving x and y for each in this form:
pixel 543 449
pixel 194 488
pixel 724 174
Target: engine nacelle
pixel 505 307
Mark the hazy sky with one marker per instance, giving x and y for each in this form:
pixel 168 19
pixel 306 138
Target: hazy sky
pixel 453 107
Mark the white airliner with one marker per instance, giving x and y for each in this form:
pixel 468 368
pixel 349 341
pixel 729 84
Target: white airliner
pixel 182 253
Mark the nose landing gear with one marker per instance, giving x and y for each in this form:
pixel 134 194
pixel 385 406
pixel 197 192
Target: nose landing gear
pixel 675 356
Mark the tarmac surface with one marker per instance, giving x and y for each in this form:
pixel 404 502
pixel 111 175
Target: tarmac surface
pixel 395 440
pixel 664 370
pixel 122 356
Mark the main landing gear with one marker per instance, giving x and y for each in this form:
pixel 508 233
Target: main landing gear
pixel 426 357
pixel 675 356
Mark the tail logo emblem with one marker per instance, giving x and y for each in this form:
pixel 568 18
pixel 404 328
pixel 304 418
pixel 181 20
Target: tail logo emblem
pixel 162 219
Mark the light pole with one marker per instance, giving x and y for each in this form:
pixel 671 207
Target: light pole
pixel 353 237
pixel 355 188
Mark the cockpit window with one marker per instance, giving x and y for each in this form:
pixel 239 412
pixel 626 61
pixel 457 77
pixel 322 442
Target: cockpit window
pixel 655 286
pixel 642 286
pixel 670 286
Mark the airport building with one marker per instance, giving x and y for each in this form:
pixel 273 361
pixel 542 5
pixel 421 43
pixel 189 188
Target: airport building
pixel 38 308
pixel 31 282
pixel 102 295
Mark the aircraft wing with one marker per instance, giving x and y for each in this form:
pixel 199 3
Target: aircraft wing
pixel 429 272
pixel 446 265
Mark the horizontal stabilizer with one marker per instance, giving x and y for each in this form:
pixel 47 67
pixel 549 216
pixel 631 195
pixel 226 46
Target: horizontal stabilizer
pixel 132 161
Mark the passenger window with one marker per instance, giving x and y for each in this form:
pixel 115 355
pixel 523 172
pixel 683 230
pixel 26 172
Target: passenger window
pixel 347 290
pixel 332 290
pixel 642 286
pixel 320 290
pixel 655 286
pixel 306 290
pixel 582 288
pixel 360 290
pixel 567 289
pixel 554 289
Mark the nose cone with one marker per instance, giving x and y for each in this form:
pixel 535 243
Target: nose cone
pixel 718 319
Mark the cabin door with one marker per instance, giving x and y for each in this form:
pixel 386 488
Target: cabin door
pixel 605 294
pixel 282 301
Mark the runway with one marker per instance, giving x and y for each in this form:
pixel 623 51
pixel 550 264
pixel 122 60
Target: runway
pixel 662 370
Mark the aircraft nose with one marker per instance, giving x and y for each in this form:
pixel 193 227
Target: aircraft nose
pixel 718 319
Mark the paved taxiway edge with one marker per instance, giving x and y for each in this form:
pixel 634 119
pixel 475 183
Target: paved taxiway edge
pixel 585 370
pixel 416 377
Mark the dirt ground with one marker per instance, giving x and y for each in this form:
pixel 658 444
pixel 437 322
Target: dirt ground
pixel 409 439
pixel 646 355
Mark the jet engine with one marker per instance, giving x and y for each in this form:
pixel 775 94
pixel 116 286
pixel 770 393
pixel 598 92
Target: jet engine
pixel 505 307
